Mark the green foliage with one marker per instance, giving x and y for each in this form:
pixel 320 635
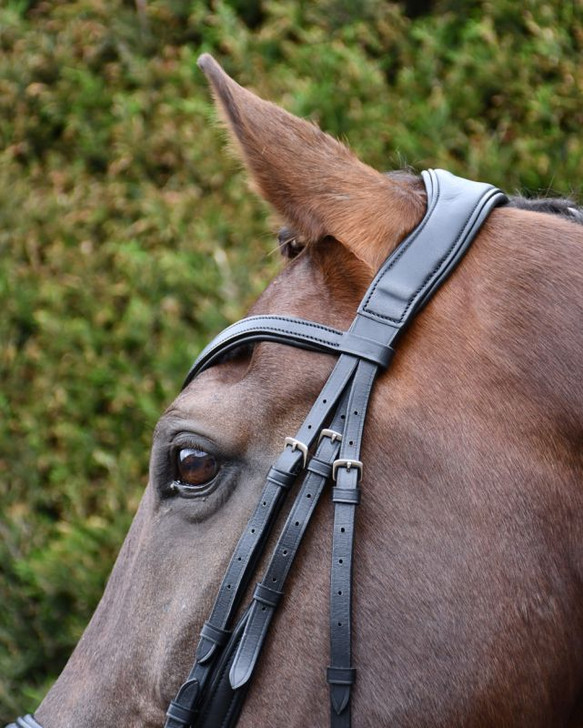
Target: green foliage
pixel 128 237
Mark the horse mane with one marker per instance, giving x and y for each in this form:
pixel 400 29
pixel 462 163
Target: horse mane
pixel 562 206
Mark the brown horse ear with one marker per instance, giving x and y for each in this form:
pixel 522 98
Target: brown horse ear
pixel 316 183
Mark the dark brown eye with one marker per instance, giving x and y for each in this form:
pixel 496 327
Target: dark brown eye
pixel 195 467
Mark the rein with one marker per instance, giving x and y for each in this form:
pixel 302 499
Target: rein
pixel 326 448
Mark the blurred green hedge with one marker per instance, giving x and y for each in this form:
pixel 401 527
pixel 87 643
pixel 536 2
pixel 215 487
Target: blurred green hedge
pixel 128 237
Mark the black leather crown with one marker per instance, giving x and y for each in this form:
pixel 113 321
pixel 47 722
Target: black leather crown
pixel 327 447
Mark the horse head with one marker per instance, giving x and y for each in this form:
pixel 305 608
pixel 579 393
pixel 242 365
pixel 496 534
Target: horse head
pixel 468 566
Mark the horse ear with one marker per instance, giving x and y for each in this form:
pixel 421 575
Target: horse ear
pixel 316 183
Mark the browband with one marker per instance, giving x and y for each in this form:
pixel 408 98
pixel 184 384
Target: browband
pixel 327 447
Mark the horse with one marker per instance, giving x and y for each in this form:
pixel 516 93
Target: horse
pixel 468 561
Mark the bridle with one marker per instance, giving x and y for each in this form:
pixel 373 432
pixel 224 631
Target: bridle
pixel 326 447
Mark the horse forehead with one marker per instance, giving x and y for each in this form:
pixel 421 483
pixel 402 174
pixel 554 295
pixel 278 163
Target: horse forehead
pixel 297 287
pixel 318 285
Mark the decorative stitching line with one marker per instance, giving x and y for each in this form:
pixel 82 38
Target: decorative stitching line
pixel 481 203
pixel 404 247
pixel 288 319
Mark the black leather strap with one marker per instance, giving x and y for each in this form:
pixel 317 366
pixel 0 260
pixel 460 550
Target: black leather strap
pixel 293 332
pixel 284 553
pixel 456 209
pixel 252 541
pixel 346 496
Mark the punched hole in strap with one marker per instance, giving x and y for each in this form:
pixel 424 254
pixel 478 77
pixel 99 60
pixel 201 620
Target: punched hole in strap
pixel 266 595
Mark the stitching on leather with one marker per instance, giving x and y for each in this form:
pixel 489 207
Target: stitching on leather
pixel 418 230
pixel 301 336
pixel 220 345
pixel 428 278
pixel 287 319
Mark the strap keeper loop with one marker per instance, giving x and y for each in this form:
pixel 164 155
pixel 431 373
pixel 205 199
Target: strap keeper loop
pixel 346 495
pixel 181 710
pixel 181 715
pixel 266 595
pixel 365 348
pixel 341 675
pixel 281 478
pixel 320 467
pixel 215 634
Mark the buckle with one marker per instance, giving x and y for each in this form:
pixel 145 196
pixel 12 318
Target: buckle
pixel 332 434
pixel 297 445
pixel 348 464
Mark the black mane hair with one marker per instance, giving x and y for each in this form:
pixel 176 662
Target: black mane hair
pixel 553 206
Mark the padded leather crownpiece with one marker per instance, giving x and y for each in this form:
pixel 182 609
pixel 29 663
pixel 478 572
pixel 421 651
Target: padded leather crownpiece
pixel 456 210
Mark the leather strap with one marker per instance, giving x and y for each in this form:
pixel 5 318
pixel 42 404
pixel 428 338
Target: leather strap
pixel 27 722
pixel 284 553
pixel 252 541
pixel 293 332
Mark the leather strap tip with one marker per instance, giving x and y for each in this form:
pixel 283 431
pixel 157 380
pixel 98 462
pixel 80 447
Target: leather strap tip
pixel 339 697
pixel 205 650
pixel 238 675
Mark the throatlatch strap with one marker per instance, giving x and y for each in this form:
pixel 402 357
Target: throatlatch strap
pixel 213 694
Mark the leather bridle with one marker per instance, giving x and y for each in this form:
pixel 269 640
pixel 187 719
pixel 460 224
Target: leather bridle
pixel 325 448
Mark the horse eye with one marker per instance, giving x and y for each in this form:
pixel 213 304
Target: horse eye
pixel 195 467
pixel 289 244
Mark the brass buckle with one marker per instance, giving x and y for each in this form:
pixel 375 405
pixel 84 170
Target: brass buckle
pixel 297 445
pixel 348 464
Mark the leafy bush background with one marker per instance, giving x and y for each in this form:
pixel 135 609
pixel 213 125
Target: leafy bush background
pixel 128 237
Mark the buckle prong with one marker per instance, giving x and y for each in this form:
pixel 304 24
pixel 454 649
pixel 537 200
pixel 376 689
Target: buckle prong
pixel 332 434
pixel 298 445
